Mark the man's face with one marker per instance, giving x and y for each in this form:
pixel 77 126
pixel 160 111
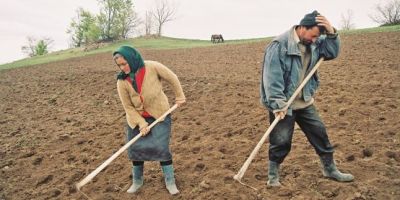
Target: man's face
pixel 309 36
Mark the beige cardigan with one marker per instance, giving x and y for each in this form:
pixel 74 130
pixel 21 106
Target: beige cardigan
pixel 155 102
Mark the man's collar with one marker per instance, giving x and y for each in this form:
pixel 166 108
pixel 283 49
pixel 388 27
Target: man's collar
pixel 295 36
pixel 293 48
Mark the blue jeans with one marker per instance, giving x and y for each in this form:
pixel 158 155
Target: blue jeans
pixel 310 123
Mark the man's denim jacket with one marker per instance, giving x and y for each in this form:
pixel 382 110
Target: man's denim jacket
pixel 282 65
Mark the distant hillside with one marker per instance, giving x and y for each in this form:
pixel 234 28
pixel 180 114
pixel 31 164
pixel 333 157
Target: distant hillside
pixel 153 43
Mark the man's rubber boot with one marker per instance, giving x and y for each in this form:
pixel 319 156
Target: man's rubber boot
pixel 273 174
pixel 330 170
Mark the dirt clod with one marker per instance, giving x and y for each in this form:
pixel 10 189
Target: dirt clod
pixel 367 152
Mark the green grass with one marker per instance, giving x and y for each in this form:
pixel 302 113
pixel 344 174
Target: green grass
pixel 157 43
pixel 140 42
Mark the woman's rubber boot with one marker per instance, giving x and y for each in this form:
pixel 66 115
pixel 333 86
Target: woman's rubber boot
pixel 137 178
pixel 273 174
pixel 168 171
pixel 330 170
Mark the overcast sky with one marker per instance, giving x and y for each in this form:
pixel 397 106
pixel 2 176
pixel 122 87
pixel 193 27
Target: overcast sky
pixel 196 19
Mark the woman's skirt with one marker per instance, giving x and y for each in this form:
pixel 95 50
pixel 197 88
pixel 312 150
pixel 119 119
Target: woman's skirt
pixel 154 146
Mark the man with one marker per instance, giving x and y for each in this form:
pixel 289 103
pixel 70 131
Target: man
pixel 287 61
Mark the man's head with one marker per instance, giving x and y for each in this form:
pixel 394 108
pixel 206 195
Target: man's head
pixel 308 29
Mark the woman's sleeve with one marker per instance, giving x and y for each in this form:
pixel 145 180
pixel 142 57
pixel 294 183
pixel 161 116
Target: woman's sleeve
pixel 132 115
pixel 171 78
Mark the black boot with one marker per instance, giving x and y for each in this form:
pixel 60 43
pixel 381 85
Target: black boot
pixel 273 174
pixel 330 170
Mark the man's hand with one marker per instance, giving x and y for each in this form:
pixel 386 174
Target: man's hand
pixel 144 131
pixel 180 102
pixel 280 114
pixel 322 21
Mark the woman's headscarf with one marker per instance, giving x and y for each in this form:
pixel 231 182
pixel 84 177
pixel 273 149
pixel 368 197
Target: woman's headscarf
pixel 133 57
pixel 135 61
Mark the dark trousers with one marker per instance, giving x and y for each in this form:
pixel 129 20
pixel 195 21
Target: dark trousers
pixel 310 123
pixel 141 163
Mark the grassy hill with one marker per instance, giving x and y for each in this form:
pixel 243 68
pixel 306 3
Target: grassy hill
pixel 155 43
pixel 140 42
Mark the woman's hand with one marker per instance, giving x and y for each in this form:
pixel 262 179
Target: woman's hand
pixel 144 131
pixel 180 102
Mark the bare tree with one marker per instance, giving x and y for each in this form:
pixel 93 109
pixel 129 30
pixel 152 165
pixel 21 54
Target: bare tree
pixel 29 49
pixel 163 13
pixel 347 20
pixel 388 14
pixel 148 22
pixel 128 22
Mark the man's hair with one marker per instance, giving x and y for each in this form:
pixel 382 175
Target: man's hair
pixel 322 29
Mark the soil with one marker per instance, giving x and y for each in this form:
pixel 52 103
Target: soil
pixel 60 121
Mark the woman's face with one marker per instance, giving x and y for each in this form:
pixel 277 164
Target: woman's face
pixel 123 65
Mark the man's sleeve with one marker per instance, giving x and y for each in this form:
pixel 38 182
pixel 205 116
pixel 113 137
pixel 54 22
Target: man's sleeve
pixel 272 78
pixel 329 46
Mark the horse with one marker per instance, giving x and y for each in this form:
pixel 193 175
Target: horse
pixel 217 38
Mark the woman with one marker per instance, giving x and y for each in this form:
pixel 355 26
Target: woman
pixel 140 90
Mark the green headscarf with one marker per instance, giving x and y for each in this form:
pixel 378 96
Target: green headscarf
pixel 134 59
